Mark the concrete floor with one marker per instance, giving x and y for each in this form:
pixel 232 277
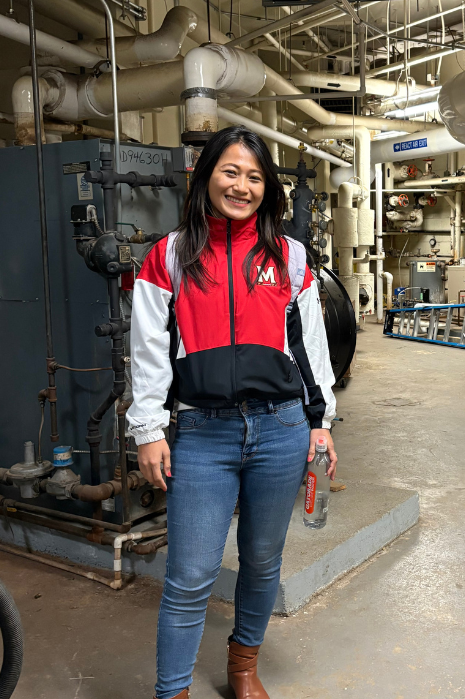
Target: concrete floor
pixel 394 628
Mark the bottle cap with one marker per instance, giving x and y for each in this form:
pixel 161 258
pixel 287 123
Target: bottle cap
pixel 321 444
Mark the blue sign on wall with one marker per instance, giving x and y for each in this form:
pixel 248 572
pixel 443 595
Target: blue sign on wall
pixel 410 145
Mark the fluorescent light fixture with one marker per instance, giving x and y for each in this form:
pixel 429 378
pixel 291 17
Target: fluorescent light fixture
pixel 415 110
pixel 388 134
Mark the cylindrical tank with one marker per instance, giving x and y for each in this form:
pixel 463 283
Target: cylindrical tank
pixel 427 274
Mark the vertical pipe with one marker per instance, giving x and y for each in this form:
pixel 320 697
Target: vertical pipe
pixel 379 240
pixel 452 165
pixel 389 176
pixel 123 463
pixel 114 89
pixel 458 225
pixel 270 119
pixel 51 394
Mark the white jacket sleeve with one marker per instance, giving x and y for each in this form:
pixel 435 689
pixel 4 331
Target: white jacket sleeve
pixel 316 347
pixel 150 342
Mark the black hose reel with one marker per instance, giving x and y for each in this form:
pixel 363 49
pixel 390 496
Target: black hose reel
pixel 12 637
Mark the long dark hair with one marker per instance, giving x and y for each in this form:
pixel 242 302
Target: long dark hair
pixel 193 238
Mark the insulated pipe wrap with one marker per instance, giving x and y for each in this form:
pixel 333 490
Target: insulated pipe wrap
pixel 366 227
pixel 345 227
pixel 244 73
pixel 12 635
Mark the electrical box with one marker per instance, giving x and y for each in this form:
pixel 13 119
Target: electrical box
pixel 427 274
pixel 455 283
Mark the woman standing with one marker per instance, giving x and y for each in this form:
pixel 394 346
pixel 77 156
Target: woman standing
pixel 252 381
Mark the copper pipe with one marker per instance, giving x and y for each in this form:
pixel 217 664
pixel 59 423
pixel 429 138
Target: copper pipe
pixel 66 516
pixel 97 493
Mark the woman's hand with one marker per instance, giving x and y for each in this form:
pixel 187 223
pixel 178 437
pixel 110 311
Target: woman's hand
pixel 151 457
pixel 314 434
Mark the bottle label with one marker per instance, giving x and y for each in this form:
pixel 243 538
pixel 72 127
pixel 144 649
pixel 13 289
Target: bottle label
pixel 310 493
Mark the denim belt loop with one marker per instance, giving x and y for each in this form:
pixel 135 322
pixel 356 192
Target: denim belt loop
pixel 213 412
pixel 270 406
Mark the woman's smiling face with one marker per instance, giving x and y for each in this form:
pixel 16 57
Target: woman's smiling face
pixel 237 184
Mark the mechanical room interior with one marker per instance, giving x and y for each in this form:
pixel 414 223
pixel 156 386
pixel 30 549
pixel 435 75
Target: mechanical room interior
pixel 105 107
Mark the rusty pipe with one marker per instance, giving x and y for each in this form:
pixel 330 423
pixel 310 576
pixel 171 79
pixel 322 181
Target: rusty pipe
pixel 150 546
pixel 103 491
pixel 45 512
pixel 75 570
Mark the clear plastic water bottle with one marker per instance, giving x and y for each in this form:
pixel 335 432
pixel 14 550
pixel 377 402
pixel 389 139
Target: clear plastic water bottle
pixel 317 487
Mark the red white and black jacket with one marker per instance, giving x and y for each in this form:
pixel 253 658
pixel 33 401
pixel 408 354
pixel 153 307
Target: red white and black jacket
pixel 233 344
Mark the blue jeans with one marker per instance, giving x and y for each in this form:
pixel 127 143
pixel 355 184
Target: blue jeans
pixel 256 452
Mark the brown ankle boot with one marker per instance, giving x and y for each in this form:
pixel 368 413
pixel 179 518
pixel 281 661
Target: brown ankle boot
pixel 185 694
pixel 242 672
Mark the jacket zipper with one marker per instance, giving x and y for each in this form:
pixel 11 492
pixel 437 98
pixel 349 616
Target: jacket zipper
pixel 232 331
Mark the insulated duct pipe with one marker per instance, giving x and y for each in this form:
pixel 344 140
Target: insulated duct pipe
pixel 365 217
pixel 458 226
pixel 162 45
pixel 413 219
pixel 365 222
pixel 80 16
pixel 379 241
pixel 346 239
pixel 403 148
pixel 389 279
pixel 23 107
pixel 281 86
pixel 434 182
pixel 217 69
pixel 333 81
pixel 234 118
pixel 51 45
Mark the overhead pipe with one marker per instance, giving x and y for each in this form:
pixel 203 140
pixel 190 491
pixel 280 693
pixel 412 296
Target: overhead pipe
pixel 333 81
pixel 406 147
pixel 393 30
pixel 162 45
pixel 434 182
pixel 217 69
pixel 281 86
pixel 280 23
pixel 234 118
pixel 416 60
pixel 160 85
pixel 81 16
pixel 69 53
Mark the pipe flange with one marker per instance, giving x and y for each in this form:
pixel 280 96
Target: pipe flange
pixel 208 92
pixel 56 77
pixel 196 138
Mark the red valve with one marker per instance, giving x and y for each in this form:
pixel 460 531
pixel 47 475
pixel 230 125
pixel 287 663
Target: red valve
pixel 412 170
pixel 402 200
pixel 432 201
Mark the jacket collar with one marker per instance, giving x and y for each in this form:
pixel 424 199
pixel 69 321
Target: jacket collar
pixel 247 228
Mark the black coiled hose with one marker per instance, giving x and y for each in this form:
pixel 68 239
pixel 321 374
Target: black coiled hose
pixel 12 636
